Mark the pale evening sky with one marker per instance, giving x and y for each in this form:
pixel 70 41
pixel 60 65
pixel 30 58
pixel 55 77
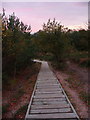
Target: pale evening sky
pixel 70 14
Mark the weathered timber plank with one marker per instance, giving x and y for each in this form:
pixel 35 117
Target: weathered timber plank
pixel 48 84
pixel 48 89
pixel 50 106
pixel 38 97
pixel 47 78
pixel 49 103
pixel 54 115
pixel 44 78
pixel 63 110
pixel 52 92
pixel 49 96
pixel 47 81
pixel 50 99
pixel 44 85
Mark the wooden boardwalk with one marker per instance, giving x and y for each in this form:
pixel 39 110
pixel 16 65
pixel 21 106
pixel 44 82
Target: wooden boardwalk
pixel 49 100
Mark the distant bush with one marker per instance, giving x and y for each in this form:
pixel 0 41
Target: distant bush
pixel 81 58
pixel 79 39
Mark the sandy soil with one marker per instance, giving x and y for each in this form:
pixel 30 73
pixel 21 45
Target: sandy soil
pixel 73 93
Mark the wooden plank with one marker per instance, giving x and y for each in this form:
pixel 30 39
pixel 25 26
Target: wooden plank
pixel 38 97
pixel 49 102
pixel 62 96
pixel 41 111
pixel 49 84
pixel 54 115
pixel 49 96
pixel 44 85
pixel 49 89
pixel 46 82
pixel 46 92
pixel 49 99
pixel 42 77
pixel 46 78
pixel 50 106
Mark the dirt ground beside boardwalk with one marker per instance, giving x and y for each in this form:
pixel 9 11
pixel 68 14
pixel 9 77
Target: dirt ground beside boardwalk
pixel 74 80
pixel 17 96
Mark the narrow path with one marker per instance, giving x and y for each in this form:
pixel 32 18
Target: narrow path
pixel 49 100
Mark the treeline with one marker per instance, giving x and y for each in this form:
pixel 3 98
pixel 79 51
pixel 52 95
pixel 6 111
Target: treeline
pixel 54 43
pixel 59 44
pixel 17 47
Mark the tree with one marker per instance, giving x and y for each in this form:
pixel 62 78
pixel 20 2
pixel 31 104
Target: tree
pixel 80 39
pixel 17 47
pixel 54 39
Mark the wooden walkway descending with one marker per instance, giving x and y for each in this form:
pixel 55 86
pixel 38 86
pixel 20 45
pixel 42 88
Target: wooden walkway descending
pixel 49 100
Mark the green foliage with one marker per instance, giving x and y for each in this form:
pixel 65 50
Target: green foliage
pixel 21 111
pixel 56 40
pixel 59 65
pixel 60 43
pixel 80 39
pixel 86 97
pixel 81 58
pixel 19 94
pixel 5 108
pixel 17 47
pixel 53 40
